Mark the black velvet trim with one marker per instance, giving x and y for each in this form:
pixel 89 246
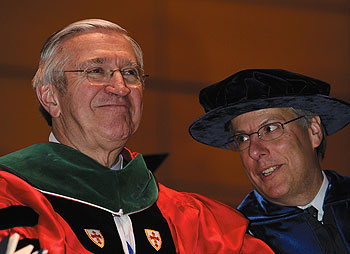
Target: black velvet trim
pixel 153 219
pixel 18 216
pixel 80 216
pixel 26 241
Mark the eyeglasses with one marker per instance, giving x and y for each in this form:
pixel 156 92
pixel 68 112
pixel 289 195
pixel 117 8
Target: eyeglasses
pixel 271 131
pixel 131 75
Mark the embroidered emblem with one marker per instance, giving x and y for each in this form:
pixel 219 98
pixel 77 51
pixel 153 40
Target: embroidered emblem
pixel 95 236
pixel 154 238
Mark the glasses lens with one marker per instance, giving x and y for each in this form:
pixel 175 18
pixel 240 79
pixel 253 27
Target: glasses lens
pixel 239 142
pixel 96 74
pixel 130 75
pixel 271 131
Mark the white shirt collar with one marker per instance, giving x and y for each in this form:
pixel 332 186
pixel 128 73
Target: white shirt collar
pixel 52 138
pixel 317 202
pixel 117 166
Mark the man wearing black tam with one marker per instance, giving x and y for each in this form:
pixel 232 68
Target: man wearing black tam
pixel 278 122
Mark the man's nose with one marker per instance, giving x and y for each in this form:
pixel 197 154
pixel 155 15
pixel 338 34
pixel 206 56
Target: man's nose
pixel 257 148
pixel 116 84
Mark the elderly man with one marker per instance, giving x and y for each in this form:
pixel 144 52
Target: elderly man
pixel 84 192
pixel 278 121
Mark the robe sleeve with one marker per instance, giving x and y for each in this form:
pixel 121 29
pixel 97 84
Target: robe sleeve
pixel 53 233
pixel 202 225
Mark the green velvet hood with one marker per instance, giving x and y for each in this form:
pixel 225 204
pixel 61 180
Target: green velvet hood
pixel 62 171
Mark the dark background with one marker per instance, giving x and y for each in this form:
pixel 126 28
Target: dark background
pixel 187 45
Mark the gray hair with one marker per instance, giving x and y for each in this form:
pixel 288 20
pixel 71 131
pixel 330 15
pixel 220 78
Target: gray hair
pixel 52 61
pixel 305 122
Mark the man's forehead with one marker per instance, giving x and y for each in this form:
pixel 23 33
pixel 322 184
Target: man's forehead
pixel 94 39
pixel 100 47
pixel 95 33
pixel 118 61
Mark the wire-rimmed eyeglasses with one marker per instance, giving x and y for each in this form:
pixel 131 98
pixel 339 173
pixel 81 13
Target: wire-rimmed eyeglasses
pixel 131 75
pixel 271 131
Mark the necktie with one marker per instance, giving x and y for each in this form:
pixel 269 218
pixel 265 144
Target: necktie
pixel 129 248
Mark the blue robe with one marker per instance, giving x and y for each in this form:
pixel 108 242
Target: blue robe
pixel 286 229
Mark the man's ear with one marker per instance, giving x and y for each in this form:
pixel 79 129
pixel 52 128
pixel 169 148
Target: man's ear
pixel 47 96
pixel 315 131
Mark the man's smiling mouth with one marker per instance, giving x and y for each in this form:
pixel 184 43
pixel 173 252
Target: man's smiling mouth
pixel 268 171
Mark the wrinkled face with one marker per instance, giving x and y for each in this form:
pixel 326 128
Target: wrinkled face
pixel 285 170
pixel 92 111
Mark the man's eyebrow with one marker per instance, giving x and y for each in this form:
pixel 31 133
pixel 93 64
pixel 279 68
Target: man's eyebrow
pixel 270 119
pixel 126 62
pixel 94 61
pixel 99 60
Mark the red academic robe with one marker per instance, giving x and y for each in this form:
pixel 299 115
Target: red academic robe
pixel 189 217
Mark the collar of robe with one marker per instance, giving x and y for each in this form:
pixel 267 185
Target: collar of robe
pixel 259 210
pixel 59 170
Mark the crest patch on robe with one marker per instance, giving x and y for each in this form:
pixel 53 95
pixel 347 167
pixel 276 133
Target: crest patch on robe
pixel 154 238
pixel 95 236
